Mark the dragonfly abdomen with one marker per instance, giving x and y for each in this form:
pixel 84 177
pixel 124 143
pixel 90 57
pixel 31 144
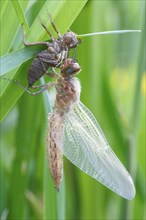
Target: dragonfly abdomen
pixel 54 148
pixel 44 60
pixel 36 71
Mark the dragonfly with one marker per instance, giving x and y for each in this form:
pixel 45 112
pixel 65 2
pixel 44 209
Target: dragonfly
pixel 74 132
pixel 72 129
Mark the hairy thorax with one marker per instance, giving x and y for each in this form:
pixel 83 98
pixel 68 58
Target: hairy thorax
pixel 68 93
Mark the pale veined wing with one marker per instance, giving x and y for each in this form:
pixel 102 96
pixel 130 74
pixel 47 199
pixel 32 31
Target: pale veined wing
pixel 85 145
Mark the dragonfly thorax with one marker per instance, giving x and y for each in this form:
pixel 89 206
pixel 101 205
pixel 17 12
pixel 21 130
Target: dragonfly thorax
pixel 68 93
pixel 54 47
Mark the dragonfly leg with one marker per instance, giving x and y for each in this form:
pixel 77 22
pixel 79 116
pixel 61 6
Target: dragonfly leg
pixel 44 87
pixel 32 43
pixel 53 25
pixel 54 74
pixel 47 30
pixel 66 53
pixel 74 53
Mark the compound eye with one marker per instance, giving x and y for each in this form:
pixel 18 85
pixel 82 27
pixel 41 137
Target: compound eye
pixel 70 68
pixel 73 69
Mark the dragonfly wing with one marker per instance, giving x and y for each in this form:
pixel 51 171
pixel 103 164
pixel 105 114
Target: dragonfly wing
pixel 85 145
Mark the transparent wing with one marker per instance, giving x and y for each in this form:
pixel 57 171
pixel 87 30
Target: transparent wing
pixel 85 145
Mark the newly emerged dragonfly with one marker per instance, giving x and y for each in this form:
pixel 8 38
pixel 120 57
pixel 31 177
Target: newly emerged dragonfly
pixel 55 54
pixel 74 132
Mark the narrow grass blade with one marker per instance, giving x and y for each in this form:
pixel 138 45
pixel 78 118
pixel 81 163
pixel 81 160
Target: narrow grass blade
pixel 35 203
pixel 12 90
pixel 60 196
pixel 20 14
pixel 50 209
pixel 23 167
pixel 9 24
pixel 17 57
pixel 135 113
pixel 109 32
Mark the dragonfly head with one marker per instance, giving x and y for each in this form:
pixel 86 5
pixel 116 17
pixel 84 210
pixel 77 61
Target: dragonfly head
pixel 70 68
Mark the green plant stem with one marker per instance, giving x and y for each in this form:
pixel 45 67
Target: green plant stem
pixel 20 14
pixel 135 117
pixel 60 197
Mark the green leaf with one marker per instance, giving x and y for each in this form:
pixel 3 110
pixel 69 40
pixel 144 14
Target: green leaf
pixel 12 90
pixel 20 14
pixel 17 57
pixel 23 168
pixel 9 24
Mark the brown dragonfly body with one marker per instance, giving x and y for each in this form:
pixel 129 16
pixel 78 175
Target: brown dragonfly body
pixel 53 56
pixel 72 129
pixel 68 93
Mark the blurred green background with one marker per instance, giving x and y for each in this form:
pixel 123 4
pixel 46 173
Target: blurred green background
pixel 113 88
